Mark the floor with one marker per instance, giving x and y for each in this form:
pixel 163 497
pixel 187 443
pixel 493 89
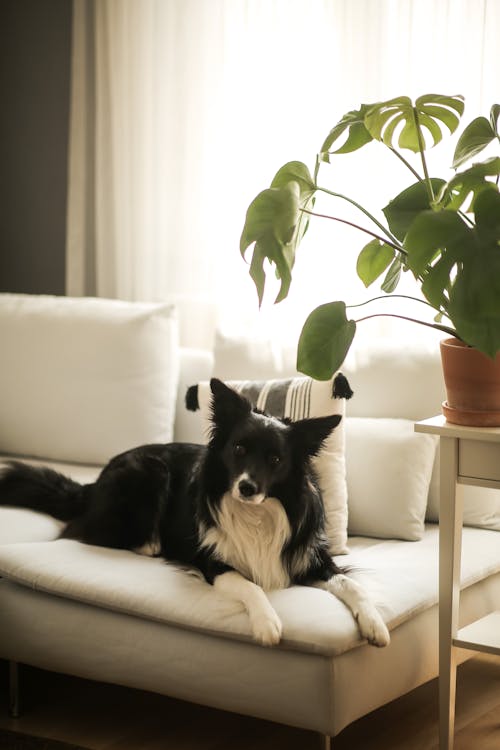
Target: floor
pixel 104 717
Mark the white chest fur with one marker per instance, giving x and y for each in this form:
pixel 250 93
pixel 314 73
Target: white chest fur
pixel 250 538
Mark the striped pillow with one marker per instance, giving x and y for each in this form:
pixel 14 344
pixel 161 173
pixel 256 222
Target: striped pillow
pixel 300 398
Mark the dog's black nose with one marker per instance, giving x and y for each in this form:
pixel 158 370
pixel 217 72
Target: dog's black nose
pixel 246 488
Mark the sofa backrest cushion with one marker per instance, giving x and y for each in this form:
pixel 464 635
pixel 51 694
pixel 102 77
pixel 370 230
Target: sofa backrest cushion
pixel 82 379
pixel 397 379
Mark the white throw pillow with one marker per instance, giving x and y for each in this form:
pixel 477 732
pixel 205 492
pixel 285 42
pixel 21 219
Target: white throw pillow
pixel 389 468
pixel 299 398
pixel 83 379
pixel 481 504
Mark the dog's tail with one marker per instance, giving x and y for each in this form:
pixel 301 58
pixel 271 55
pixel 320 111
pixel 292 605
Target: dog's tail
pixel 42 489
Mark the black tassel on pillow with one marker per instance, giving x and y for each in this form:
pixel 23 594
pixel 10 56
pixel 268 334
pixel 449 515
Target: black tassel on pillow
pixel 191 400
pixel 341 387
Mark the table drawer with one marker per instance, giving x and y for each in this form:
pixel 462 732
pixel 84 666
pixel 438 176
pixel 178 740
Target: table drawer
pixel 479 459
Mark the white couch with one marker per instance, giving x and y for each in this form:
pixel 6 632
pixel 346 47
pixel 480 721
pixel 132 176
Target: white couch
pixel 82 379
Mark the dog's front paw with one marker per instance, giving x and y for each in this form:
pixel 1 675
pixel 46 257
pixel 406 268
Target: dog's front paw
pixel 267 628
pixel 372 627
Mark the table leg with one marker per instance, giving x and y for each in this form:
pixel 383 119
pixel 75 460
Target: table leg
pixel 450 542
pixel 14 710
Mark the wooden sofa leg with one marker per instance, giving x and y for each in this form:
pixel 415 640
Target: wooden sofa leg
pixel 325 742
pixel 14 709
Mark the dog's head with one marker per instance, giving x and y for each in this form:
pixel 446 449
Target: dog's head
pixel 260 452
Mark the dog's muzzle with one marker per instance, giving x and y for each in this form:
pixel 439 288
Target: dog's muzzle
pixel 246 490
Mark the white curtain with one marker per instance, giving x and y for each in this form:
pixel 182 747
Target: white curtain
pixel 182 110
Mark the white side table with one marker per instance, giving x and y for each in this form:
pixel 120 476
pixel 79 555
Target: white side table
pixel 469 455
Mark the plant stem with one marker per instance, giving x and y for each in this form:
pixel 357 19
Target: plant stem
pixel 356 226
pixel 316 170
pixel 445 329
pixel 413 171
pixel 399 296
pixel 360 208
pixel 421 145
pixel 466 218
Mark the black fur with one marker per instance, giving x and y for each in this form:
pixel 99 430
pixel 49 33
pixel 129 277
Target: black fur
pixel 170 494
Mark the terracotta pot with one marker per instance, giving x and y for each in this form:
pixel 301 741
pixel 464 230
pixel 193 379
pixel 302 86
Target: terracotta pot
pixel 472 382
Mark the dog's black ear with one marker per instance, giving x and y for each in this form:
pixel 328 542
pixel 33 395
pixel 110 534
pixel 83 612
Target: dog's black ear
pixel 309 434
pixel 227 405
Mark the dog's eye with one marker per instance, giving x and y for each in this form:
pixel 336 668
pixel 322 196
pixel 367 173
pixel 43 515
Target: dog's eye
pixel 239 449
pixel 274 460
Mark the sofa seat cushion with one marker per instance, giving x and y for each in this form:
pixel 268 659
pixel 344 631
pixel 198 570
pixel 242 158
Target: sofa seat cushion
pixel 21 525
pixel 402 576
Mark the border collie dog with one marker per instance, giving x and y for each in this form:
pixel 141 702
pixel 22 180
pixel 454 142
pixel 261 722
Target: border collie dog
pixel 245 510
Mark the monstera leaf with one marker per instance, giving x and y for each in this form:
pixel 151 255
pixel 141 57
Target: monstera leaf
pixel 373 260
pixel 474 306
pixel 401 211
pixel 357 135
pixel 428 114
pixel 487 213
pixel 270 222
pixel 325 340
pixel 433 233
pixel 476 136
pixel 392 276
pixel 276 223
pixel 471 181
pixel 295 171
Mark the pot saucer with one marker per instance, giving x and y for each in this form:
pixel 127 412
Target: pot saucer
pixel 471 418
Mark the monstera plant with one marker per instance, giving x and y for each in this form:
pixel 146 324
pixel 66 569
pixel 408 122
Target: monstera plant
pixel 444 232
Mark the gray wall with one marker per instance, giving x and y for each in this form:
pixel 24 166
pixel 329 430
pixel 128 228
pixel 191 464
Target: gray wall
pixel 35 54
